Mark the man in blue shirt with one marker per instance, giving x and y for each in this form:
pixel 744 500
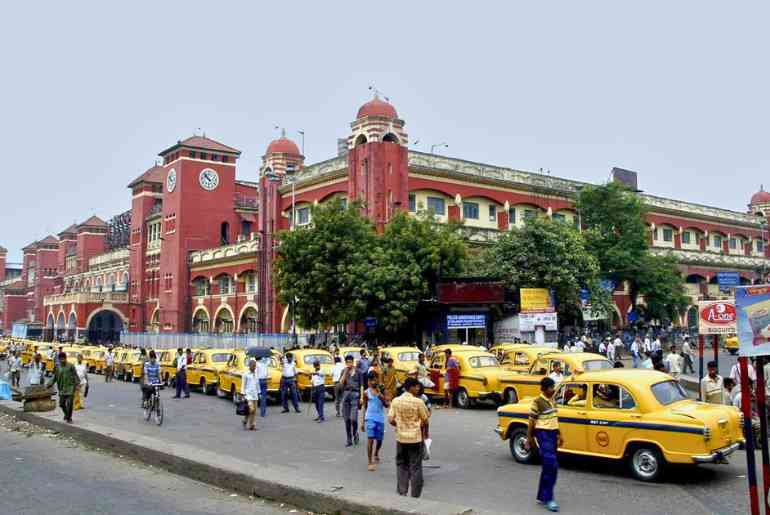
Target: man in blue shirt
pixel 150 376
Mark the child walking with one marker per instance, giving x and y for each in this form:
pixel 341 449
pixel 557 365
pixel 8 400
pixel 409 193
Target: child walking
pixel 374 419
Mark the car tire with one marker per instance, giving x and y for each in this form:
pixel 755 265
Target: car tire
pixel 733 352
pixel 516 441
pixel 462 399
pixel 646 463
pixel 510 396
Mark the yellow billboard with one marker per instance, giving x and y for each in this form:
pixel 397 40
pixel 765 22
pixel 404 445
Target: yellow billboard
pixel 536 300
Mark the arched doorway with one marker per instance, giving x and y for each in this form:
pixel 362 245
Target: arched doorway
pixel 60 327
pixel 105 327
pixel 223 322
pixel 72 327
pixel 692 318
pixel 248 323
pixel 201 321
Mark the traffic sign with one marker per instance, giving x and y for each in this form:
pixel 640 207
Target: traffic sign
pixel 370 322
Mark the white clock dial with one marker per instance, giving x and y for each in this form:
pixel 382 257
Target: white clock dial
pixel 209 179
pixel 171 180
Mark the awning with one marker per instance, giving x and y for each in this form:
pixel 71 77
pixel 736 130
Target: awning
pixel 248 217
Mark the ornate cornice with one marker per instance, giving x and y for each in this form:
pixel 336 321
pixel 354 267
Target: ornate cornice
pixel 713 259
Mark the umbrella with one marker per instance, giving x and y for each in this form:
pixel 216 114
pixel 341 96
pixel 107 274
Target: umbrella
pixel 258 352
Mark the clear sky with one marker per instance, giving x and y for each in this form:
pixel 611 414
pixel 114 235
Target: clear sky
pixel 91 92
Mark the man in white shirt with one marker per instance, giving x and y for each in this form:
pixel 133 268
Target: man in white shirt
pixel 556 374
pixel 656 347
pixel 289 384
pixel 15 367
pixel 735 373
pixel 250 393
pixel 610 350
pixel 687 355
pixel 263 374
pixel 617 346
pixel 580 345
pixel 647 345
pixel 36 371
pixel 109 362
pixel 318 393
pixel 674 363
pixel 602 347
pixel 635 352
pixel 181 375
pixel 337 370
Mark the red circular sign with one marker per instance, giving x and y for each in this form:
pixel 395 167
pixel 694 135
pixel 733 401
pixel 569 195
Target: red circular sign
pixel 719 313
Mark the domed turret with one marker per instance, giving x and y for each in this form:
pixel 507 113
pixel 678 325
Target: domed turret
pixel 283 145
pixel 760 197
pixel 377 107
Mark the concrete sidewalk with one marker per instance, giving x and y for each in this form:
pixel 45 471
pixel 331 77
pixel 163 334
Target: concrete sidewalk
pixel 267 481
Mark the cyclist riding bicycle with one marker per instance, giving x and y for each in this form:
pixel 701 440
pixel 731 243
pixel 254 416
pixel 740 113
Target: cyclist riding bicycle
pixel 151 376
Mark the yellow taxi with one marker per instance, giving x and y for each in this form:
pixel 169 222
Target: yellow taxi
pixel 731 344
pixel 527 384
pixel 205 368
pixel 229 382
pixel 353 351
pixel 481 376
pixel 119 364
pixel 643 417
pixel 96 360
pixel 519 358
pixel 132 365
pixel 34 347
pixel 304 359
pixel 167 360
pixel 48 358
pixel 404 360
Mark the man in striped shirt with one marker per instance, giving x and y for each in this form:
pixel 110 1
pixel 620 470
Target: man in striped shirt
pixel 544 425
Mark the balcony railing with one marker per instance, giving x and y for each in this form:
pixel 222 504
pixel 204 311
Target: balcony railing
pixel 112 297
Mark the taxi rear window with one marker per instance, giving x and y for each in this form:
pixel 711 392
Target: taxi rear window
pixel 596 364
pixel 668 392
pixel 220 358
pixel 408 356
pixel 483 361
pixel 321 358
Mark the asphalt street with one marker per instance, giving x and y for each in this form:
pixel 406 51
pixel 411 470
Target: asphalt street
pixel 470 464
pixel 42 473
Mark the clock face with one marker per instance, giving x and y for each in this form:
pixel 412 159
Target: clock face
pixel 171 180
pixel 209 179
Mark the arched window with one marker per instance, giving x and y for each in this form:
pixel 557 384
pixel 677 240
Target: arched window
pixel 390 138
pixel 224 232
pixel 225 284
pixel 360 140
pixel 201 287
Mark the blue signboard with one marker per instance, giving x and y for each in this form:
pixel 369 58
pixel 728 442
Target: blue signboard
pixel 466 321
pixel 585 296
pixel 370 322
pixel 727 280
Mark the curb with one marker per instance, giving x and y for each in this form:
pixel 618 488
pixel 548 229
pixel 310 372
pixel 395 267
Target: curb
pixel 273 482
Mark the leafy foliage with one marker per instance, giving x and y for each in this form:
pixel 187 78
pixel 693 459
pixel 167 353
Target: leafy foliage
pixel 617 235
pixel 548 254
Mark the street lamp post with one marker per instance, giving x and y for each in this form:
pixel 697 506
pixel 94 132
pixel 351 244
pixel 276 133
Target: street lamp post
pixel 438 145
pixel 292 180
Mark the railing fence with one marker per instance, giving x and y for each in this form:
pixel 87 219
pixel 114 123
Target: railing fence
pixel 212 341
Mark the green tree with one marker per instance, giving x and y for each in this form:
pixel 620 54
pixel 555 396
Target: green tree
pixel 319 266
pixel 616 233
pixel 548 254
pixel 410 256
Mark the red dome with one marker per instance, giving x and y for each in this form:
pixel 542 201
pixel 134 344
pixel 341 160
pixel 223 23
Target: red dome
pixel 377 107
pixel 760 197
pixel 283 145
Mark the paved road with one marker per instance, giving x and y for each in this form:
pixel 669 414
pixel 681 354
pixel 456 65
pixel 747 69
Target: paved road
pixel 471 466
pixel 40 475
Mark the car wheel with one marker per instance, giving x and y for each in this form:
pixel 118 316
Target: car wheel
pixel 511 397
pixel 646 463
pixel 462 400
pixel 517 442
pixel 733 352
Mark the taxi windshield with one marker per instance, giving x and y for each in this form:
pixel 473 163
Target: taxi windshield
pixel 355 353
pixel 596 364
pixel 408 356
pixel 483 361
pixel 321 358
pixel 220 358
pixel 668 392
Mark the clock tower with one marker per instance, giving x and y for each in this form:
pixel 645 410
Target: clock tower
pixel 197 213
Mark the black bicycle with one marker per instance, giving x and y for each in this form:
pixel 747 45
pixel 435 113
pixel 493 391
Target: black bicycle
pixel 152 406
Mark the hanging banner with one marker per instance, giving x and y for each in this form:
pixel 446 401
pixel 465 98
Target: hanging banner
pixel 466 321
pixel 717 317
pixel 536 300
pixel 753 306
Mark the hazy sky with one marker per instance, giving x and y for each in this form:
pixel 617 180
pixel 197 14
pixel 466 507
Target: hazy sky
pixel 91 92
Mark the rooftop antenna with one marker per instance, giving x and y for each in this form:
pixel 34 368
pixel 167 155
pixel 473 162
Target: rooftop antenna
pixel 198 131
pixel 283 131
pixel 377 92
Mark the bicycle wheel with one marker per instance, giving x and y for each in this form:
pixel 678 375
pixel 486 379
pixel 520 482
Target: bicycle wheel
pixel 157 413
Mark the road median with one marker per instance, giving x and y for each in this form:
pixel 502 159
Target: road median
pixel 269 481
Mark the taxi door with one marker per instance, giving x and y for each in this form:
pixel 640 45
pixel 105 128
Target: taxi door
pixel 436 372
pixel 572 412
pixel 614 415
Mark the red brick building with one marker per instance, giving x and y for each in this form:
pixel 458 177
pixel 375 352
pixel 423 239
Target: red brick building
pixel 196 250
